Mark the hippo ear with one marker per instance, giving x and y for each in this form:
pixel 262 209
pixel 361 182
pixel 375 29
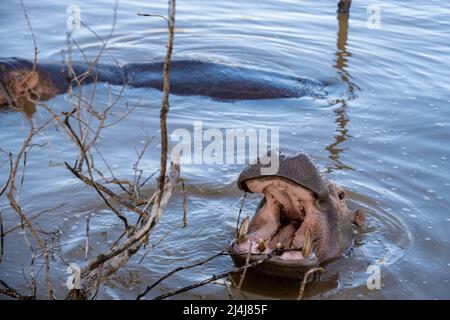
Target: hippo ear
pixel 359 218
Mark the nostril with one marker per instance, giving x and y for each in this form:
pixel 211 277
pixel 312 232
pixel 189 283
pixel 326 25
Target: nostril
pixel 341 195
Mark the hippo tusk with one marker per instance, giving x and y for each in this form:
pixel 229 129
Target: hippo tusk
pixel 261 245
pixel 306 249
pixel 243 230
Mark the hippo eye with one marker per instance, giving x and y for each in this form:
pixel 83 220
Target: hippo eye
pixel 341 195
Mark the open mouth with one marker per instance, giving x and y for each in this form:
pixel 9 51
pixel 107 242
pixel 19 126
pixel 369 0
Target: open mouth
pixel 302 222
pixel 285 220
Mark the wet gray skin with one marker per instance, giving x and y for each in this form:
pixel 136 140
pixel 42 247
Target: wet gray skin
pixel 21 81
pixel 301 213
pixel 187 77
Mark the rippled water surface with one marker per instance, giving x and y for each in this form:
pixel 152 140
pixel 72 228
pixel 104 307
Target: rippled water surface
pixel 383 135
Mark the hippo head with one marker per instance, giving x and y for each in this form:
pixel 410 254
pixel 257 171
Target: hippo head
pixel 18 84
pixel 301 213
pixel 22 83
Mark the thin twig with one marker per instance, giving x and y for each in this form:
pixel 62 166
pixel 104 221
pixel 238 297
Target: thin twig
pixel 244 273
pixel 2 237
pixel 165 102
pixel 10 158
pixel 86 247
pixel 305 280
pixel 99 188
pixel 117 256
pixel 167 275
pixel 216 277
pixel 230 290
pixel 185 199
pixel 239 214
pixel 33 217
pixel 13 293
pixel 154 15
pixel 157 242
pixel 30 28
pixel 16 206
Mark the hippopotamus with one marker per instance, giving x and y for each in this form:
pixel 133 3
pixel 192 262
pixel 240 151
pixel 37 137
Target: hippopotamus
pixel 302 214
pixel 21 78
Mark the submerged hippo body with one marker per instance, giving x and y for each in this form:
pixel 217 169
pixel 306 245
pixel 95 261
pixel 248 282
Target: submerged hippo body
pixel 187 77
pixel 301 213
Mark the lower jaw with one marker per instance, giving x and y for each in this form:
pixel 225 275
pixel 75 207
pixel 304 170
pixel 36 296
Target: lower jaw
pixel 246 247
pixel 257 244
pixel 276 266
pixel 289 261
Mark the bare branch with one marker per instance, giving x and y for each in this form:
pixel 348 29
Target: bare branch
pixel 111 261
pixel 167 275
pixel 219 276
pixel 165 103
pixel 305 280
pixel 13 293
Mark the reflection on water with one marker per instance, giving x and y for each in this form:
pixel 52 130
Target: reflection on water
pixel 342 53
pixel 255 287
pixel 341 116
pixel 341 120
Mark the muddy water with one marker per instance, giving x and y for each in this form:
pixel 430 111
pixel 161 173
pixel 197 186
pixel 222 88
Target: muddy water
pixel 383 135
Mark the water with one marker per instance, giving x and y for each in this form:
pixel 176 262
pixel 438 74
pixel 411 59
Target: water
pixel 387 144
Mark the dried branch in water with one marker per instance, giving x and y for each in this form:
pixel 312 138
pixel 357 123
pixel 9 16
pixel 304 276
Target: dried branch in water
pixel 83 126
pixel 185 200
pixel 305 280
pixel 167 275
pixel 111 261
pixel 2 237
pixel 165 102
pixel 219 276
pixel 11 195
pixel 239 214
pixel 33 217
pixel 13 293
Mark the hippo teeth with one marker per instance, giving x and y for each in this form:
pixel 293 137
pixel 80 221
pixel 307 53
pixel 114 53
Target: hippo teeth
pixel 243 229
pixel 306 249
pixel 279 222
pixel 261 245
